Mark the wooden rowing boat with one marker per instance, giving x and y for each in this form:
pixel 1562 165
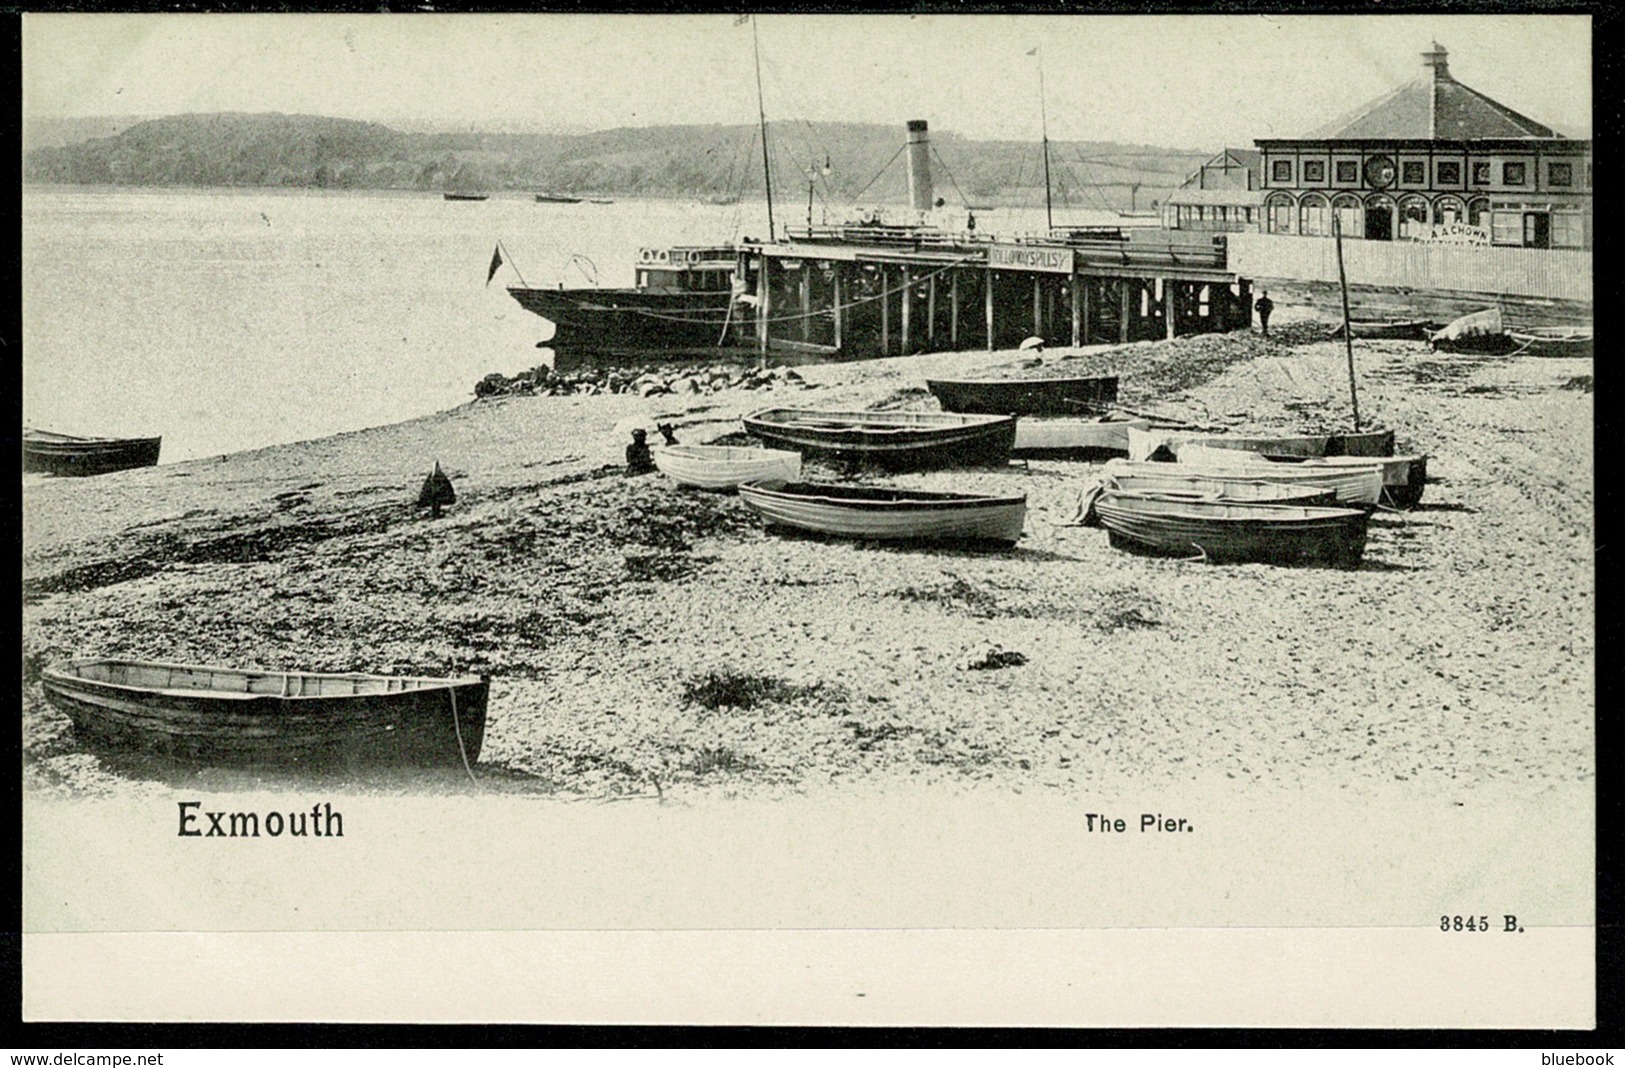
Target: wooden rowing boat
pixel 1403 477
pixel 725 466
pixel 67 454
pixel 1146 444
pixel 894 440
pixel 1231 531
pixel 248 716
pixel 1074 437
pixel 886 513
pixel 1574 342
pixel 1480 333
pixel 466 196
pixel 1391 329
pixel 1177 484
pixel 1025 396
pixel 1352 484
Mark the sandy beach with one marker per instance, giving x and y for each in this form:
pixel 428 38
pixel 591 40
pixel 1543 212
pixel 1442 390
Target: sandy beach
pixel 645 639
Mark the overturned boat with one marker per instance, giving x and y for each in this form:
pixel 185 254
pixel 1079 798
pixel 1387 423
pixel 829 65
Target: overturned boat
pixel 895 440
pixel 1025 396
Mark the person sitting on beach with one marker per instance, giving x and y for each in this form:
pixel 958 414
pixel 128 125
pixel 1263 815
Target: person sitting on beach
pixel 639 460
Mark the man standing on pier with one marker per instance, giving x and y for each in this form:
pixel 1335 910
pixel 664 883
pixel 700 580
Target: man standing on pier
pixel 1264 306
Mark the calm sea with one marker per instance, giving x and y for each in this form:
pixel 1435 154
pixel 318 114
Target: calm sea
pixel 234 319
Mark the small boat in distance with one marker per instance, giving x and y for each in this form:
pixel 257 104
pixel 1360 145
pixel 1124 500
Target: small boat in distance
pixel 895 440
pixel 556 198
pixel 725 466
pixel 887 514
pixel 1574 342
pixel 1025 396
pixel 466 196
pixel 216 715
pixel 1391 329
pixel 1232 531
pixel 68 454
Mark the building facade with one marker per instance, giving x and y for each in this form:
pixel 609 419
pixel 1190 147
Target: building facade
pixel 1432 161
pixel 1224 195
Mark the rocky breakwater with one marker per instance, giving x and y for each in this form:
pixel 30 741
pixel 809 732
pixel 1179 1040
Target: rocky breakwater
pixel 676 379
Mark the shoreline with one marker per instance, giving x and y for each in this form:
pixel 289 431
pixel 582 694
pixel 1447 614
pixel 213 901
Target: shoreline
pixel 603 606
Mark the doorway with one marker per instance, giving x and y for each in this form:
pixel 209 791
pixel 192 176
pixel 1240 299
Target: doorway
pixel 1537 229
pixel 1379 223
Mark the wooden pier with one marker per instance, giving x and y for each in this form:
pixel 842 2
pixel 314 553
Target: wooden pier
pixel 866 291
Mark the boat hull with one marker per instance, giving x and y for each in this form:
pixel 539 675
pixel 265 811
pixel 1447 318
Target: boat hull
pixel 1403 477
pixel 1387 329
pixel 1033 396
pixel 1351 484
pixel 1232 532
pixel 899 441
pixel 725 466
pixel 886 514
pixel 1556 343
pixel 1143 444
pixel 63 455
pixel 628 318
pixel 1224 489
pixel 1038 438
pixel 414 726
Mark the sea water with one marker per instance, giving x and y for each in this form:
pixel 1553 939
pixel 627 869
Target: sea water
pixel 226 320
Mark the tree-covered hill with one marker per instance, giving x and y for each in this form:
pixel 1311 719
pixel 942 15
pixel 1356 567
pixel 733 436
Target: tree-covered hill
pixel 864 161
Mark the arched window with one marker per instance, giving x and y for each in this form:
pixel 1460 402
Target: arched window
pixel 1278 214
pixel 1478 212
pixel 1415 220
pixel 1313 217
pixel 1447 210
pixel 1349 216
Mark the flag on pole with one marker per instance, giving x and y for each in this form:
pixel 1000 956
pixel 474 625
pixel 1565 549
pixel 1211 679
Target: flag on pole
pixel 496 261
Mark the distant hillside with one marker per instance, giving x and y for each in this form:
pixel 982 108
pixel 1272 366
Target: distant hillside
pixel 703 161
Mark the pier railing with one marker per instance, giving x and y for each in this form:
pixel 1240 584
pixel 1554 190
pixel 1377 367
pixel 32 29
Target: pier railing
pixel 1554 274
pixel 1132 247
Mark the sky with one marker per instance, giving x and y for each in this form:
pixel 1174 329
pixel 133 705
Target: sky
pixel 1169 80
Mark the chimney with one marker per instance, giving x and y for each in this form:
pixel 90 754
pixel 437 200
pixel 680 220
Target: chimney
pixel 1438 60
pixel 919 166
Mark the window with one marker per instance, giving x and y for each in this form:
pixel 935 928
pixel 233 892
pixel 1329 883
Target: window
pixel 1481 174
pixel 1413 219
pixel 1281 171
pixel 1348 215
pixel 1314 170
pixel 1568 229
pixel 1478 212
pixel 1448 211
pixel 1414 172
pixel 1560 173
pixel 1449 173
pixel 1506 228
pixel 1279 215
pixel 1312 218
pixel 1512 173
pixel 1348 172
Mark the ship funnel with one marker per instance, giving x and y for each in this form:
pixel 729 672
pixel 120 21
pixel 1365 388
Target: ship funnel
pixel 919 166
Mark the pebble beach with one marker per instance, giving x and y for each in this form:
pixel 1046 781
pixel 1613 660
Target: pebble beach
pixel 648 640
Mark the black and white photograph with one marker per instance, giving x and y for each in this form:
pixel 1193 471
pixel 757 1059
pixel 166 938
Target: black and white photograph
pixel 1073 520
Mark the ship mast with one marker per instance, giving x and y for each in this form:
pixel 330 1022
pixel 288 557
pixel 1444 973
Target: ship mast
pixel 1043 122
pixel 761 114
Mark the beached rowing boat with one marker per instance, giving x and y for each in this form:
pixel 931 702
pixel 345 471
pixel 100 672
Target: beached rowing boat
pixel 725 466
pixel 895 440
pixel 248 716
pixel 1391 329
pixel 1074 437
pixel 1226 531
pixel 1574 342
pixel 1146 444
pixel 885 513
pixel 1352 484
pixel 1025 396
pixel 67 454
pixel 1403 477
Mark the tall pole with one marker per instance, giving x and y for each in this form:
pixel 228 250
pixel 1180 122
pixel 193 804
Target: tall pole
pixel 1348 334
pixel 761 113
pixel 1043 121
